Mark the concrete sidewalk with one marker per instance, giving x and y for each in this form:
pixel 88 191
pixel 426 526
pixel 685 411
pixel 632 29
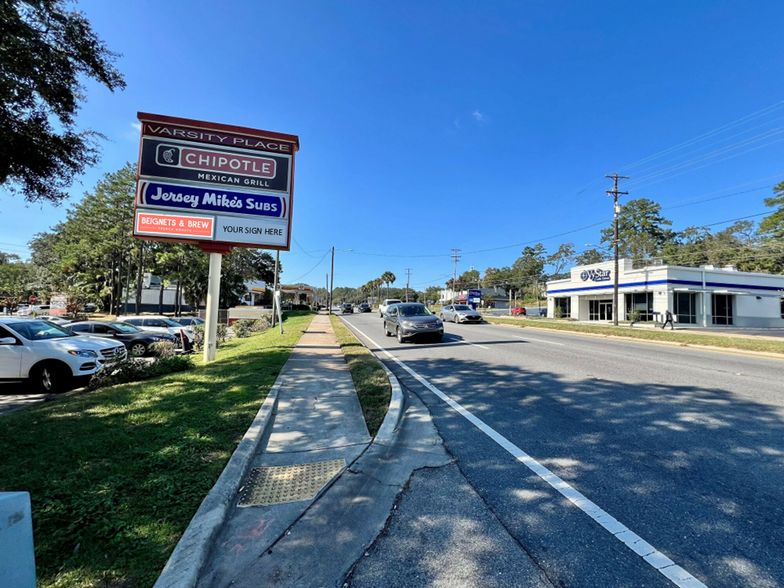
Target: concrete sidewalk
pixel 318 421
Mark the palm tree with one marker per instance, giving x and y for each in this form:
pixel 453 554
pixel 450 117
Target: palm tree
pixel 388 278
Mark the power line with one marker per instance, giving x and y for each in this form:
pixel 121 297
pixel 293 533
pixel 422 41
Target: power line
pixel 311 269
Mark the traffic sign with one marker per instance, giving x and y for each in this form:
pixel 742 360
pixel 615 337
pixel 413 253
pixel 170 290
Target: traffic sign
pixel 33 299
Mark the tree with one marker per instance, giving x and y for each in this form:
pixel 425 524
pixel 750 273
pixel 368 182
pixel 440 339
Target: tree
pixel 772 227
pixel 44 50
pixel 9 258
pixel 560 260
pixel 641 230
pixel 388 278
pixel 591 256
pixel 432 293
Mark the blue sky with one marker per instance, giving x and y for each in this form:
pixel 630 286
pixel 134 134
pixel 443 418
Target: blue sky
pixel 432 125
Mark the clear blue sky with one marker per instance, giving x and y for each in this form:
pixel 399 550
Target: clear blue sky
pixel 432 125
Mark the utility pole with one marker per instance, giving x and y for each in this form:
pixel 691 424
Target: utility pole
pixel 275 284
pixel 616 211
pixel 408 280
pixel 331 279
pixel 455 258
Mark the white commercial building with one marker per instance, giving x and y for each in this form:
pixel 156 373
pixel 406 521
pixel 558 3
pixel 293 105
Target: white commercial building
pixel 705 296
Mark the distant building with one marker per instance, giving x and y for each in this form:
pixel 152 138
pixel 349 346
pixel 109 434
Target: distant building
pixel 499 297
pixel 707 296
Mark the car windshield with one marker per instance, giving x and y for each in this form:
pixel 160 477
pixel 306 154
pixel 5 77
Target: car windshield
pixel 462 307
pixel 125 327
pixel 413 310
pixel 170 323
pixel 40 330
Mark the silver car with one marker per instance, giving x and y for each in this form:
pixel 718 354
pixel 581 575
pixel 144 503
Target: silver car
pixel 460 313
pixel 409 320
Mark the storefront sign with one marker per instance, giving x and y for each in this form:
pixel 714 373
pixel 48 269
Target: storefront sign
pixel 200 181
pixel 244 230
pixel 208 199
pixel 169 225
pixel 595 275
pixel 180 160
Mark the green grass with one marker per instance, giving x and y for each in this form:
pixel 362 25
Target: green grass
pixel 370 379
pixel 738 343
pixel 116 475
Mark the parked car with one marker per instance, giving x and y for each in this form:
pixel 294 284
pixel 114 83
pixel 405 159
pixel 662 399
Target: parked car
pixel 384 306
pixel 460 313
pixel 159 324
pixel 57 320
pixel 407 320
pixel 519 310
pixel 136 340
pixel 189 321
pixel 364 307
pixel 90 307
pixel 347 308
pixel 49 356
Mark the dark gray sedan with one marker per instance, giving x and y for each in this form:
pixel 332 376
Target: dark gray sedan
pixel 409 319
pixel 460 313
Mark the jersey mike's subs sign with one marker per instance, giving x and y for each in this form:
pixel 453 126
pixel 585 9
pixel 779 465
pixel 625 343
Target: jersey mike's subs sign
pixel 210 199
pixel 200 181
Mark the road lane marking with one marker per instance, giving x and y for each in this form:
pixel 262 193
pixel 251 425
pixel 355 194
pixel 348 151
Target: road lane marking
pixel 476 344
pixel 540 340
pixel 660 562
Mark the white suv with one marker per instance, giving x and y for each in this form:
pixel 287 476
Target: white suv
pixel 49 356
pixel 384 306
pixel 159 324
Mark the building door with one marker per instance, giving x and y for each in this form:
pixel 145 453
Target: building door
pixel 605 310
pixel 722 309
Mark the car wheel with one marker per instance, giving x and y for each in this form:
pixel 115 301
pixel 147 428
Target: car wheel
pixel 441 316
pixel 399 335
pixel 49 377
pixel 138 349
pixel 386 331
pixel 457 319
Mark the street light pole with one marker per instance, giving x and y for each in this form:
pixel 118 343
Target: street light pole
pixel 616 210
pixel 331 280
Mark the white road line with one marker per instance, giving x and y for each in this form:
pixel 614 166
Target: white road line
pixel 540 340
pixel 663 564
pixel 475 344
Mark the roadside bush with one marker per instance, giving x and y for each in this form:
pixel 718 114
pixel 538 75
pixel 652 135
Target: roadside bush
pixel 164 349
pixel 198 336
pixel 634 316
pixel 243 327
pixel 558 312
pixel 133 370
pixel 261 324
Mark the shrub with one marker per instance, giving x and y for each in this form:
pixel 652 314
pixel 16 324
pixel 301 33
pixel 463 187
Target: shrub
pixel 133 370
pixel 198 336
pixel 634 316
pixel 558 312
pixel 243 327
pixel 164 349
pixel 261 324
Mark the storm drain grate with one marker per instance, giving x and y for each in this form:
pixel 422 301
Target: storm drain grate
pixel 273 485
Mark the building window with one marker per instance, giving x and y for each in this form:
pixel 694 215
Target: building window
pixel 782 308
pixel 722 309
pixel 565 304
pixel 642 302
pixel 685 307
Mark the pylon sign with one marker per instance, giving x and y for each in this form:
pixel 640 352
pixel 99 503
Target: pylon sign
pixel 200 181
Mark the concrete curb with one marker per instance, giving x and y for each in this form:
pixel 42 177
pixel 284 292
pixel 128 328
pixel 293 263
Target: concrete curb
pixel 733 350
pixel 188 558
pixel 391 421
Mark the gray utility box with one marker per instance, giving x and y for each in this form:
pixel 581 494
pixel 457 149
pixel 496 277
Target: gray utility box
pixel 17 558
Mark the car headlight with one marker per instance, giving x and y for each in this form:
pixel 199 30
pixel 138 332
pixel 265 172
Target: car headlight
pixel 439 323
pixel 407 323
pixel 83 352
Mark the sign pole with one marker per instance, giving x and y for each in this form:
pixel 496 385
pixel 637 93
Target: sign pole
pixel 213 296
pixel 275 285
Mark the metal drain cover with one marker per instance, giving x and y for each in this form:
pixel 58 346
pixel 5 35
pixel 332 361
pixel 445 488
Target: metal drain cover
pixel 273 485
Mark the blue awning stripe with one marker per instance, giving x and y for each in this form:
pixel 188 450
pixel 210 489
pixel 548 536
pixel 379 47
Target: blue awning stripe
pixel 679 282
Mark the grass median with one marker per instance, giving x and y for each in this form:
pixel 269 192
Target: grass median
pixel 116 475
pixel 369 377
pixel 737 343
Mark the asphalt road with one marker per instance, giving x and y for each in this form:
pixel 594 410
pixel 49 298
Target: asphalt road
pixel 682 449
